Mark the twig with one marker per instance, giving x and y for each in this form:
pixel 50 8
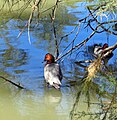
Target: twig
pixel 68 33
pixel 30 20
pixel 100 24
pixel 31 16
pixel 80 63
pixel 105 115
pixel 75 104
pixel 52 16
pixel 78 46
pixel 21 87
pixel 22 30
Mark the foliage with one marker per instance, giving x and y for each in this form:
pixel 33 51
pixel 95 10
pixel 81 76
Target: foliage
pixel 107 5
pixel 107 8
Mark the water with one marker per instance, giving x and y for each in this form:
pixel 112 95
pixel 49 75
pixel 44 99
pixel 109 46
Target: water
pixel 21 62
pixel 34 105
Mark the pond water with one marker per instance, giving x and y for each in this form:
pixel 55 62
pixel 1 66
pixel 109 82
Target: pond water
pixel 21 62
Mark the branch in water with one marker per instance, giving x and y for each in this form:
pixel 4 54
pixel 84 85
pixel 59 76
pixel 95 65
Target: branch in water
pixel 21 87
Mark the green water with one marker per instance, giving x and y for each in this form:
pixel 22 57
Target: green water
pixel 28 105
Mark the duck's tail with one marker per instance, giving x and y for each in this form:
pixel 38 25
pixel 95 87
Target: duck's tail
pixel 56 86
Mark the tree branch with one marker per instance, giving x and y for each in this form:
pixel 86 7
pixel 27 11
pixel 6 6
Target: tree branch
pixel 19 86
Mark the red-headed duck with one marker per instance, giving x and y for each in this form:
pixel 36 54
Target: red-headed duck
pixel 98 51
pixel 52 71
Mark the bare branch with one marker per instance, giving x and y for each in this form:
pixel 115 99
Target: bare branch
pixel 53 16
pixel 19 86
pixel 101 24
pixel 78 46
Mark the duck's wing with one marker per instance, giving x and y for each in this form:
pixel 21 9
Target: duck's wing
pixel 53 74
pixel 57 72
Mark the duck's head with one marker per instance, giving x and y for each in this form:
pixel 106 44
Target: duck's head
pixel 49 58
pixel 105 46
pixel 95 45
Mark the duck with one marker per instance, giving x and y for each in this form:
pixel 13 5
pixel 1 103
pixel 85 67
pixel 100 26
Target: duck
pixel 52 71
pixel 98 51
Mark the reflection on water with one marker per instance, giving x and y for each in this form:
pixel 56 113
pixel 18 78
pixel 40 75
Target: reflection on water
pixel 22 63
pixel 13 57
pixel 28 105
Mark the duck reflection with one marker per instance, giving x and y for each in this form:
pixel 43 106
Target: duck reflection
pixel 52 97
pixel 39 105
